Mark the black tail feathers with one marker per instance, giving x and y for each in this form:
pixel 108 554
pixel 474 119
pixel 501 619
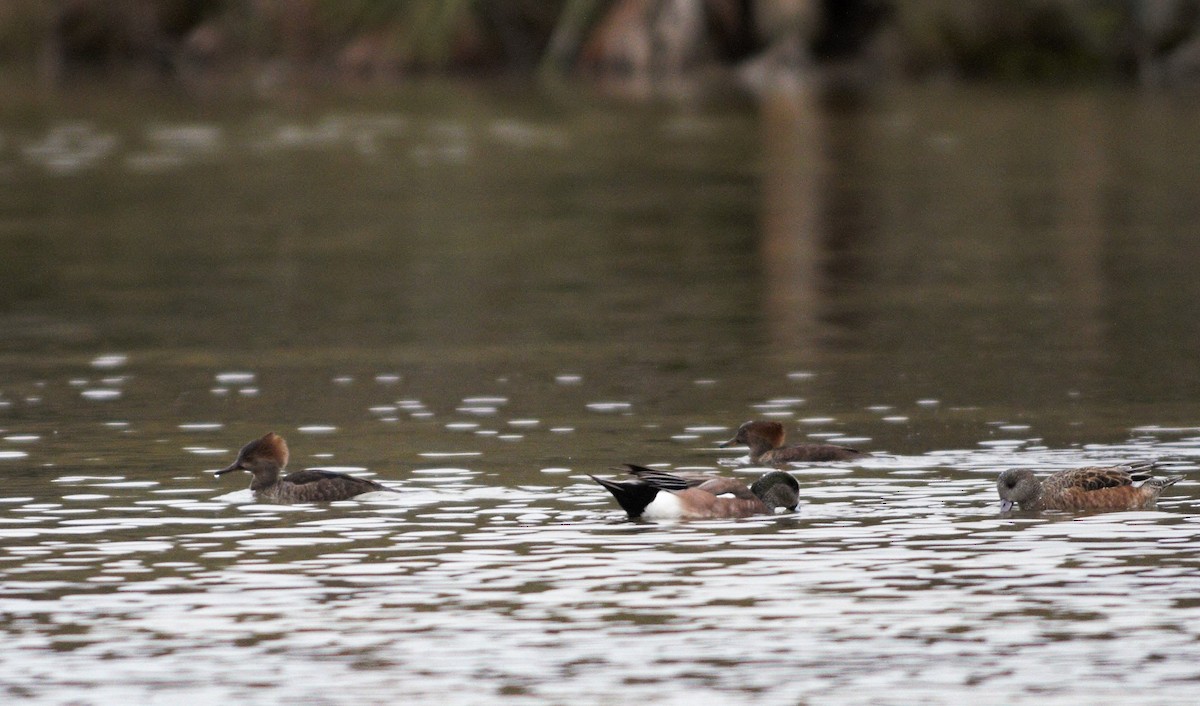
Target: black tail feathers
pixel 633 496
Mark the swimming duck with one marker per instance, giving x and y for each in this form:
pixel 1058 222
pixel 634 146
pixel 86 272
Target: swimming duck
pixel 266 457
pixel 660 495
pixel 1126 487
pixel 765 440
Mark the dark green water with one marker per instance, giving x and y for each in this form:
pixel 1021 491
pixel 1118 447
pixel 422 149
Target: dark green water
pixel 479 295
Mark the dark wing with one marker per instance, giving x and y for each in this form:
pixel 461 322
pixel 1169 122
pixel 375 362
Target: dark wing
pixel 1141 470
pixel 663 480
pixel 1101 488
pixel 1094 478
pixel 313 475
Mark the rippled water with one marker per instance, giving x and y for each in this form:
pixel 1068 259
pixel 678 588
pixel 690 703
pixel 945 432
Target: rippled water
pixel 478 300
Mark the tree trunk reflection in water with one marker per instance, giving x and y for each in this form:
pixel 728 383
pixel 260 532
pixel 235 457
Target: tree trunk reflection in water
pixel 814 215
pixel 791 218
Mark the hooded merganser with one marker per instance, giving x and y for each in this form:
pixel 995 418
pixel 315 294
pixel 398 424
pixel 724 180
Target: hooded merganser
pixel 1126 487
pixel 765 440
pixel 266 457
pixel 659 495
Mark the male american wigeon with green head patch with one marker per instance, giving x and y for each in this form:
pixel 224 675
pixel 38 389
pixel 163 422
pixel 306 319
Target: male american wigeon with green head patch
pixel 662 495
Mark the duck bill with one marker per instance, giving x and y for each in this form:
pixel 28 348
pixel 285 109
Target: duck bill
pixel 235 467
pixel 1006 505
pixel 727 444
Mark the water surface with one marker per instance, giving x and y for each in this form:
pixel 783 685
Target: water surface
pixel 478 297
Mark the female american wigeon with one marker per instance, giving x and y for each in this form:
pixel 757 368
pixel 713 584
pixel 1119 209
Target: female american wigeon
pixel 659 495
pixel 765 440
pixel 266 457
pixel 1127 487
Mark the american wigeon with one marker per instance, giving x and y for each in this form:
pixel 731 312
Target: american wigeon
pixel 1126 487
pixel 765 440
pixel 660 495
pixel 266 457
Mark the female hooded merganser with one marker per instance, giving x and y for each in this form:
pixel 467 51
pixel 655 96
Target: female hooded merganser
pixel 265 459
pixel 765 440
pixel 659 495
pixel 1127 487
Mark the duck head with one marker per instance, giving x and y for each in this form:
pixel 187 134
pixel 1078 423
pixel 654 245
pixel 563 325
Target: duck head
pixel 777 489
pixel 264 458
pixel 760 436
pixel 1017 485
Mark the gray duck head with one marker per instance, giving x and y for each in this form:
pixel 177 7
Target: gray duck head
pixel 1017 486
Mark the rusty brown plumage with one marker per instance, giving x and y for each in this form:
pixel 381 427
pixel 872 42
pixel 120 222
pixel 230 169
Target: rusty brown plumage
pixel 1096 488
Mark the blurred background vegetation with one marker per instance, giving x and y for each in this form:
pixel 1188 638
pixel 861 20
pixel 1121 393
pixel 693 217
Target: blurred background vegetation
pixel 1154 42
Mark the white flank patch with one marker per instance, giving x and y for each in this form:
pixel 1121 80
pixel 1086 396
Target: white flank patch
pixel 665 506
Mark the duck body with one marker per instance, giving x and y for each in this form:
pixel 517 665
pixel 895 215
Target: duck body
pixel 660 495
pixel 1097 488
pixel 765 440
pixel 316 485
pixel 813 453
pixel 265 458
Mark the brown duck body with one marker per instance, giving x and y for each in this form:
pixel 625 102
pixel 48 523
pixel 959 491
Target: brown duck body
pixel 806 452
pixel 265 458
pixel 765 440
pixel 1095 488
pixel 315 485
pixel 660 495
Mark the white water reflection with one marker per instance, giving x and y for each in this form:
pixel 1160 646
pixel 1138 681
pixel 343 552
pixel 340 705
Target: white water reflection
pixel 625 304
pixel 70 147
pixel 896 577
